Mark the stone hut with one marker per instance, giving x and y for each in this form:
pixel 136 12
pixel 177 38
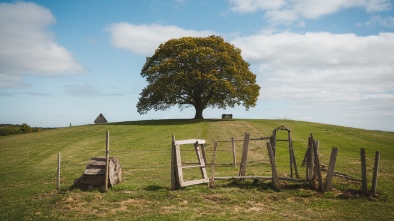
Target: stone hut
pixel 100 119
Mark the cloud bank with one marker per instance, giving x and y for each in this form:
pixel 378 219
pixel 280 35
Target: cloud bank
pixel 144 39
pixel 324 74
pixel 288 11
pixel 27 47
pixel 313 73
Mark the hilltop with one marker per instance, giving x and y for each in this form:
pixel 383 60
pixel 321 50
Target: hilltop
pixel 28 173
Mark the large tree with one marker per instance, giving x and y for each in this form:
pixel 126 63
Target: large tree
pixel 199 72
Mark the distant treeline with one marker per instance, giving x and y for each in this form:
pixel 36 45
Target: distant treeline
pixel 9 129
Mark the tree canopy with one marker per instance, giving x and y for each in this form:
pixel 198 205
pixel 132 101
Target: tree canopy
pixel 197 71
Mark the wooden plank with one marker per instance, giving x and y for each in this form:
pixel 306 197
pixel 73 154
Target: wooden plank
pixel 331 166
pixel 244 177
pixel 294 160
pixel 317 163
pixel 275 179
pixel 258 178
pixel 234 152
pixel 193 182
pixel 375 173
pixel 178 164
pixel 94 171
pixel 97 162
pixel 190 141
pixel 58 172
pixel 364 183
pixel 107 161
pixel 201 160
pixel 212 180
pixel 192 166
pixel 173 165
pixel 310 161
pixel 244 159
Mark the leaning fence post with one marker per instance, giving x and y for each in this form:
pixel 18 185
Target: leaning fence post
pixel 58 171
pixel 294 159
pixel 173 161
pixel 275 178
pixel 212 181
pixel 331 166
pixel 375 173
pixel 317 165
pixel 242 169
pixel 234 152
pixel 107 161
pixel 310 162
pixel 364 171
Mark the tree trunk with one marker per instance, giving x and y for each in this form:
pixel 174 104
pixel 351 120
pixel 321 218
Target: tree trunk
pixel 199 111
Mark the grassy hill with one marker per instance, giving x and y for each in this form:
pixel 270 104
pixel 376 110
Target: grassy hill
pixel 29 162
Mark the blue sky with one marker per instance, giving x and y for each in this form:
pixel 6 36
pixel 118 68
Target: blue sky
pixel 65 62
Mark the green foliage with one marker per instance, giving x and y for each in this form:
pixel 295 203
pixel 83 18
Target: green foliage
pixel 198 72
pixel 9 129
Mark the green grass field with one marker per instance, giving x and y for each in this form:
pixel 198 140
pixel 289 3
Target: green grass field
pixel 29 163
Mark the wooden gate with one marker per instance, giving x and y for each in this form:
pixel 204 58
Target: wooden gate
pixel 177 179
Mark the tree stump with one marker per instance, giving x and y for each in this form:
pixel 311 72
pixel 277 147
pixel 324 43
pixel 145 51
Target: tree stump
pixel 94 174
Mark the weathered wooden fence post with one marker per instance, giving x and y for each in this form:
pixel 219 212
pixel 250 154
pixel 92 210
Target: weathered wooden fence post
pixel 375 173
pixel 234 152
pixel 363 172
pixel 58 172
pixel 242 169
pixel 273 142
pixel 294 159
pixel 212 181
pixel 275 178
pixel 107 161
pixel 310 162
pixel 317 165
pixel 173 165
pixel 331 166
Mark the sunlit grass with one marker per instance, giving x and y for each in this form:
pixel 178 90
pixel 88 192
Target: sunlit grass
pixel 28 173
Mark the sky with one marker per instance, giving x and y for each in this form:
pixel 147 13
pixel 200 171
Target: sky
pixel 65 62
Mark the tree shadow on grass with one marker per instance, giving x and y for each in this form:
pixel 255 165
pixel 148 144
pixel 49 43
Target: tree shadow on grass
pixel 154 188
pixel 166 122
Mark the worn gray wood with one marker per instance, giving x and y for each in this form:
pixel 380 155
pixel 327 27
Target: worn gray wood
pixel 331 167
pixel 375 173
pixel 189 141
pixel 173 165
pixel 107 161
pixel 95 173
pixel 275 179
pixel 244 159
pixel 294 159
pixel 212 180
pixel 234 152
pixel 177 179
pixel 364 183
pixel 317 166
pixel 258 178
pixel 310 160
pixel 201 160
pixel 58 172
pixel 179 164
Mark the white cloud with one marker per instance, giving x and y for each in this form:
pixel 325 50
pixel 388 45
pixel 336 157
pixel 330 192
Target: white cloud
pixel 27 47
pixel 345 75
pixel 381 21
pixel 144 39
pixel 245 6
pixel 287 11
